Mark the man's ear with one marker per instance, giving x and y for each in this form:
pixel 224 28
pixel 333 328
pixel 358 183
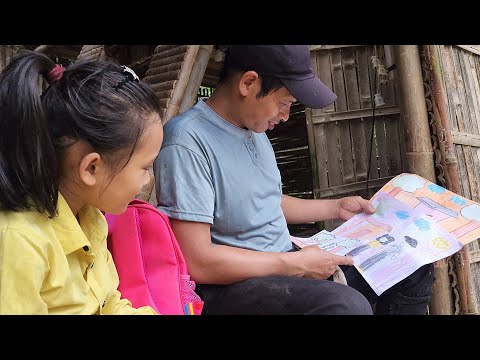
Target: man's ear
pixel 91 169
pixel 247 81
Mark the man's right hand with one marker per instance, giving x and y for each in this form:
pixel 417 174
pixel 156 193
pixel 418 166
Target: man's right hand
pixel 320 264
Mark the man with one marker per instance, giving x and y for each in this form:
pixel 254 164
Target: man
pixel 218 181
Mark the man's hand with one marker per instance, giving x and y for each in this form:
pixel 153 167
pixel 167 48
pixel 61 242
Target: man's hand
pixel 352 205
pixel 318 263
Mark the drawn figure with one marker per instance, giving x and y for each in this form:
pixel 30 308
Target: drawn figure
pixel 385 239
pixel 435 210
pixel 411 241
pixel 441 243
pixel 358 250
pixel 390 252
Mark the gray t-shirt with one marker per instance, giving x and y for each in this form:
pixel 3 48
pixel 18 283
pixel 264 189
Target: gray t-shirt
pixel 209 170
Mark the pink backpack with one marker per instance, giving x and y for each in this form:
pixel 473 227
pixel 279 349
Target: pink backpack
pixel 149 262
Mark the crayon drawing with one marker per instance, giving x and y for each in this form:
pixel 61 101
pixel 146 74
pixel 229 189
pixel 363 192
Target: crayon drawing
pixel 328 242
pixel 394 242
pixel 415 223
pixel 455 214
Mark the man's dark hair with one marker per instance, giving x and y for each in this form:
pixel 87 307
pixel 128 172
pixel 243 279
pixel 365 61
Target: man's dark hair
pixel 269 83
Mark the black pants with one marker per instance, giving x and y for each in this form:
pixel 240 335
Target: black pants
pixel 291 295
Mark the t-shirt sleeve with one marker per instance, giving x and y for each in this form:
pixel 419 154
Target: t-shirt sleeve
pixel 183 184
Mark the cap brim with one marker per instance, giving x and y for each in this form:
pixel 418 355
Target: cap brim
pixel 310 92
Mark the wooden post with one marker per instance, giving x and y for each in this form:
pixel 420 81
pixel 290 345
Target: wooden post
pixel 190 92
pixel 447 149
pixel 195 80
pixel 173 107
pixel 419 152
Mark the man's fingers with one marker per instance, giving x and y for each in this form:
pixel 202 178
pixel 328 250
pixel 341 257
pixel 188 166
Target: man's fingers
pixel 344 260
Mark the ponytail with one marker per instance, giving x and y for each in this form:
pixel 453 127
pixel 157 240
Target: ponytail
pixel 29 172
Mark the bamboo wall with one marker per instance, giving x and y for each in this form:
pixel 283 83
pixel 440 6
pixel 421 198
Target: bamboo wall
pixel 461 75
pixel 341 133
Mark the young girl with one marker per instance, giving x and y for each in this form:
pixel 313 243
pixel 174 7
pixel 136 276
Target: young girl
pixel 82 146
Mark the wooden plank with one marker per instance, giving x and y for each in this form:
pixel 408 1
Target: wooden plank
pixel 349 188
pixel 472 105
pixel 474 256
pixel 334 164
pixel 344 143
pixel 387 89
pixel 394 150
pixel 363 63
pixel 450 84
pixel 338 81
pixel 351 83
pixel 464 138
pixel 319 118
pixel 474 49
pixel 152 71
pixel 159 78
pixel 167 60
pixel 371 148
pixel 321 154
pixel 324 73
pixel 329 47
pixel 475 90
pixel 163 86
pixel 462 172
pixel 465 122
pixel 357 151
pixel 331 130
pixel 163 51
pixel 382 146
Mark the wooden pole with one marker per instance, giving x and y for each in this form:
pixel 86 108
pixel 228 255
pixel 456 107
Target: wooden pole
pixel 447 149
pixel 195 80
pixel 419 152
pixel 184 76
pixel 190 91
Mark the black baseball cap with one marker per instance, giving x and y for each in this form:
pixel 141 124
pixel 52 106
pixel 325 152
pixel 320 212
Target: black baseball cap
pixel 290 64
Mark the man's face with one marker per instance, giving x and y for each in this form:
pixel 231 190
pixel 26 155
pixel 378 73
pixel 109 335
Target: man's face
pixel 266 112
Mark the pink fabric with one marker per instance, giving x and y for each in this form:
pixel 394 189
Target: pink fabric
pixel 149 262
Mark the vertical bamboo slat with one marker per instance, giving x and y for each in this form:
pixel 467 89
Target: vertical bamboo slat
pixel 467 304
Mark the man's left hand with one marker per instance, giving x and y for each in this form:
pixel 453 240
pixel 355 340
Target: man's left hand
pixel 352 205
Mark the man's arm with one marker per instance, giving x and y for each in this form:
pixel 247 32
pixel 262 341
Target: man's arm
pixel 298 211
pixel 209 263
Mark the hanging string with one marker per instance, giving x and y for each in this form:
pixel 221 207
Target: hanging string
pixel 372 97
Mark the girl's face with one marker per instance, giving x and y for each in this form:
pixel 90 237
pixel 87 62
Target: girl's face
pixel 128 183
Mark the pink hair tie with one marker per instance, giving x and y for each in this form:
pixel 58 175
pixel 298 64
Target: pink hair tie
pixel 56 73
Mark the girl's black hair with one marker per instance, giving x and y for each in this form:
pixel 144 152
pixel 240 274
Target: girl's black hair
pixel 86 104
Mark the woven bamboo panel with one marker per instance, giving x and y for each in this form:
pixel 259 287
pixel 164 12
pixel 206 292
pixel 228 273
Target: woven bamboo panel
pixel 92 52
pixel 461 73
pixel 164 70
pixel 342 132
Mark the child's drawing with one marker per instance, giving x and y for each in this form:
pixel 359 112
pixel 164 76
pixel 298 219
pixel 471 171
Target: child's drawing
pixel 387 257
pixel 455 214
pixel 327 241
pixel 415 223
